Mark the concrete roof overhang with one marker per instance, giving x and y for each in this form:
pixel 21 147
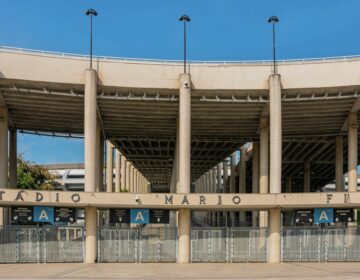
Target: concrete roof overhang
pixel 138 106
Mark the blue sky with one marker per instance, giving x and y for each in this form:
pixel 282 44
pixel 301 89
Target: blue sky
pixel 219 30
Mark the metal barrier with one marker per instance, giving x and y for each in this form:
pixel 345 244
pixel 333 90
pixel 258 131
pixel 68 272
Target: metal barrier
pixel 148 244
pixel 315 244
pixel 27 244
pixel 217 244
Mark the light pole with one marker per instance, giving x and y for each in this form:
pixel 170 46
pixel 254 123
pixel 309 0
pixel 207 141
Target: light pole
pixel 185 19
pixel 273 20
pixel 91 13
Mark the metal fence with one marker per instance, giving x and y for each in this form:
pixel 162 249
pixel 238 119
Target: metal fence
pixel 147 244
pixel 315 244
pixel 27 244
pixel 216 244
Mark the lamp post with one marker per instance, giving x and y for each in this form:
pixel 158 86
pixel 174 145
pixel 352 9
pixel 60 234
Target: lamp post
pixel 91 13
pixel 185 19
pixel 273 20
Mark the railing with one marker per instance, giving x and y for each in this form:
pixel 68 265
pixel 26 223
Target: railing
pixel 161 61
pixel 24 244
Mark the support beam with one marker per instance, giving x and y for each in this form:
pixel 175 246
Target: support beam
pixel 90 156
pixel 184 164
pixel 109 166
pixel 352 152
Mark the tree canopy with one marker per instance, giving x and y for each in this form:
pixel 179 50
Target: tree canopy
pixel 33 176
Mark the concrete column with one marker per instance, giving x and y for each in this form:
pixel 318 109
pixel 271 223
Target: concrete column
pixel 13 159
pixel 288 184
pixel 90 156
pixel 136 174
pixel 219 187
pixel 255 179
pixel 352 152
pixel 99 159
pixel 109 166
pixel 131 179
pixel 128 171
pixel 3 159
pixel 123 185
pixel 242 169
pixel 184 164
pixel 90 229
pixel 214 191
pixel 118 167
pixel 225 180
pixel 264 166
pixel 307 176
pixel 339 165
pixel 275 133
pixel 274 235
pixel 242 182
pixel 275 164
pixel 233 172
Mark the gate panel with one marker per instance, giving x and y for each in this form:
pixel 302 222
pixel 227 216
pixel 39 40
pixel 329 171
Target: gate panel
pixel 117 245
pixel 8 245
pixel 353 244
pixel 208 244
pixel 240 245
pixel 63 244
pixel 28 244
pixel 291 251
pixel 310 244
pixel 158 244
pixel 336 244
pixel 258 245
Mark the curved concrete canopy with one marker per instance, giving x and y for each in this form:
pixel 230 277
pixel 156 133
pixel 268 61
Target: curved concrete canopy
pixel 138 105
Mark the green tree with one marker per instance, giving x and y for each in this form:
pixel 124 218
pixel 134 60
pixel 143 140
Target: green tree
pixel 33 176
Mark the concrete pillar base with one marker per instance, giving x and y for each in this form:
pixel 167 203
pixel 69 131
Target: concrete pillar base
pixel 90 230
pixel 184 235
pixel 274 235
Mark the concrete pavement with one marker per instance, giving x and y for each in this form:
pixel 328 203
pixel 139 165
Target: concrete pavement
pixel 213 271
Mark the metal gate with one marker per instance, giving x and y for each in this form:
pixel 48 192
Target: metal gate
pixel 29 244
pixel 147 244
pixel 315 244
pixel 248 245
pixel 228 244
pixel 209 244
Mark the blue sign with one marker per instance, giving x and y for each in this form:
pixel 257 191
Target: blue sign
pixel 44 214
pixel 323 215
pixel 139 216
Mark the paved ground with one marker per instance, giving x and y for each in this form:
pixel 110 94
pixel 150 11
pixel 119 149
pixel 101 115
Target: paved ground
pixel 304 271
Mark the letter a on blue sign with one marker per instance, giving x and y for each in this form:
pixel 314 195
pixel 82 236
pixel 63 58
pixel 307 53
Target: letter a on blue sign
pixel 44 214
pixel 139 216
pixel 324 215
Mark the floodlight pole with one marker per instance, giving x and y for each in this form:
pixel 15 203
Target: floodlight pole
pixel 185 19
pixel 91 13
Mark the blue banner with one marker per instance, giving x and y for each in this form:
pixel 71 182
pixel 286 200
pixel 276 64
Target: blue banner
pixel 139 216
pixel 323 215
pixel 44 214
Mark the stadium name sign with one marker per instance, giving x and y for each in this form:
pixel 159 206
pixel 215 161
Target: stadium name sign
pixel 16 197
